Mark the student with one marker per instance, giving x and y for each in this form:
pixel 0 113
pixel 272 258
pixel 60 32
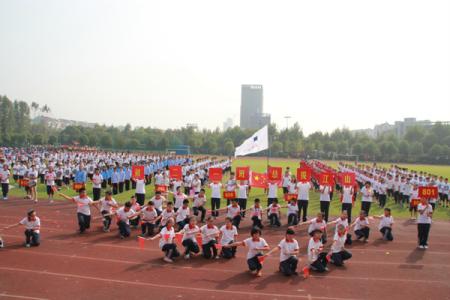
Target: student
pixel 325 191
pixel 158 200
pixel 140 190
pixel 303 189
pixel 167 213
pixel 424 222
pixel 149 216
pixel 32 225
pixel 256 212
pixel 274 213
pixel 97 180
pixel 179 198
pixel 256 245
pixel 367 194
pixel 316 257
pixel 189 241
pixel 84 204
pixel 361 227
pixel 167 242
pixel 124 215
pixel 242 196
pixel 234 212
pixel 182 214
pixel 386 223
pixel 317 223
pixel 292 212
pixel 196 184
pixel 209 234
pixel 106 209
pixel 338 253
pixel 231 186
pixel 272 192
pixel 115 176
pixel 289 250
pixel 228 235
pixel 4 179
pixel 50 183
pixel 199 205
pixel 347 193
pixel 215 198
pixel 412 204
pixel 343 220
pixel 382 192
pixel 121 179
pixel 32 183
pixel 285 182
pixel 136 207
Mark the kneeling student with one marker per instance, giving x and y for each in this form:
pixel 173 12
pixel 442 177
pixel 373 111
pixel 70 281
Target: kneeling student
pixel 362 228
pixel 228 234
pixel 209 234
pixel 124 215
pixel 149 217
pixel 189 241
pixel 274 213
pixel 338 252
pixel 386 223
pixel 316 257
pixel 32 225
pixel 167 241
pixel 289 250
pixel 256 245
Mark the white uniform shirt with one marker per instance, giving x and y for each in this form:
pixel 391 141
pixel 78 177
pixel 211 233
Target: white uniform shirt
pixel 31 224
pixel 303 190
pixel 339 242
pixel 314 248
pixel 254 245
pixel 423 218
pixel 286 248
pixel 215 189
pixel 107 205
pixel 190 233
pixel 208 234
pixel 83 205
pixel 386 222
pixel 228 234
pixel 124 215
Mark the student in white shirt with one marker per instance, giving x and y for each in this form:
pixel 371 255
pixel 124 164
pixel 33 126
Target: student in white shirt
pixel 199 205
pixel 292 212
pixel 424 222
pixel 96 179
pixel 84 204
pixel 325 191
pixel 167 241
pixel 179 198
pixel 209 235
pixel 317 223
pixel 158 200
pixel 189 241
pixel 182 214
pixel 361 227
pixel 4 179
pixel 272 192
pixel 289 250
pixel 215 198
pixel 124 215
pixel 167 213
pixel 338 253
pixel 303 189
pixel 317 258
pixel 256 246
pixel 149 216
pixel 343 220
pixel 234 212
pixel 242 196
pixel 228 235
pixel 347 200
pixel 256 213
pixel 386 223
pixel 231 186
pixel 274 213
pixel 136 207
pixel 107 205
pixel 366 199
pixel 50 182
pixel 32 225
pixel 140 190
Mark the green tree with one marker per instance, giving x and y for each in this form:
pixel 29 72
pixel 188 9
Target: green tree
pixel 228 148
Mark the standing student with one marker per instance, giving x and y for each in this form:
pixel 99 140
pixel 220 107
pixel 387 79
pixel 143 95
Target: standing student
pixel 128 174
pixel 121 179
pixel 209 234
pixel 347 193
pixel 97 180
pixel 274 213
pixel 215 198
pixel 325 191
pixel 124 215
pixel 256 246
pixel 149 216
pixel 196 184
pixel 367 195
pixel 228 235
pixel 199 205
pixel 303 189
pixel 386 223
pixel 338 253
pixel 167 241
pixel 316 257
pixel 412 204
pixel 289 249
pixel 231 186
pixel 189 241
pixel 361 227
pixel 32 183
pixel 32 225
pixel 382 192
pixel 84 204
pixel 256 213
pixel 234 212
pixel 285 182
pixel 4 179
pixel 424 222
pixel 50 182
pixel 140 190
pixel 106 209
pixel 242 196
pixel 272 192
pixel 115 181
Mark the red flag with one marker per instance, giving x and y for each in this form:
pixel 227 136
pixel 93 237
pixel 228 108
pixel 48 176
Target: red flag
pixel 199 240
pixel 258 180
pixel 175 172
pixel 215 174
pixel 261 259
pixel 141 241
pixel 304 174
pixel 218 247
pixel 242 173
pixel 137 172
pixel 274 173
pixel 179 238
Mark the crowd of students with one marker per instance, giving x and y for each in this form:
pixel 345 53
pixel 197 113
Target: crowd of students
pixel 174 216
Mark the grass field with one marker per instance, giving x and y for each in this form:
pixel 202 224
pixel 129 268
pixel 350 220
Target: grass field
pixel 260 165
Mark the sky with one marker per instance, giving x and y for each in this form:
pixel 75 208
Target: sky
pixel 164 64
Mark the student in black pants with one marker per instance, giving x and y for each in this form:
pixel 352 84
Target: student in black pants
pixel 424 222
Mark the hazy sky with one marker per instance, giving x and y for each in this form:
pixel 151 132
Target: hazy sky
pixel 166 63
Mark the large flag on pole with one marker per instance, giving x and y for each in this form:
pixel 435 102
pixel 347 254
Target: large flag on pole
pixel 259 141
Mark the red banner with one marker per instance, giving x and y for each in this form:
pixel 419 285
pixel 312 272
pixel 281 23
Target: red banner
pixel 175 172
pixel 304 174
pixel 161 188
pixel 326 178
pixel 347 179
pixel 259 180
pixel 229 195
pixel 137 172
pixel 428 192
pixel 242 173
pixel 274 173
pixel 215 174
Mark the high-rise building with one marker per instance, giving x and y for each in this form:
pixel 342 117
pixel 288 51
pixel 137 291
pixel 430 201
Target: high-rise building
pixel 252 116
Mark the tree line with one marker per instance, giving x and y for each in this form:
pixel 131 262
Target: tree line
pixel 419 144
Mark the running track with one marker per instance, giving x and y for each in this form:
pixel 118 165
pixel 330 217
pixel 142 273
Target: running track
pixel 101 266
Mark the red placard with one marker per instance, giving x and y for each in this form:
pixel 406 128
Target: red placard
pixel 215 174
pixel 242 173
pixel 137 172
pixel 326 178
pixel 274 173
pixel 429 192
pixel 289 197
pixel 161 188
pixel 229 195
pixel 76 186
pixel 348 179
pixel 415 202
pixel 23 182
pixel 175 172
pixel 304 174
pixel 258 180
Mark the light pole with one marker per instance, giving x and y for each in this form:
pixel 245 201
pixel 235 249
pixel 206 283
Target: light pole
pixel 287 121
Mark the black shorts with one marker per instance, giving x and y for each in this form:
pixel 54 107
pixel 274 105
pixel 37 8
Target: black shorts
pixel 50 190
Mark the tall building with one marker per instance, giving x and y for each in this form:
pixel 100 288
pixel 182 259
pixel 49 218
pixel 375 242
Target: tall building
pixel 252 116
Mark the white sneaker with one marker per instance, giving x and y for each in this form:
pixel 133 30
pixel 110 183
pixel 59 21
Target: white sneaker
pixel 27 245
pixel 421 247
pixel 187 256
pixel 168 260
pixel 425 247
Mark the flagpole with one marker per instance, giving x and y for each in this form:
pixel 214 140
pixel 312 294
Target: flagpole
pixel 268 152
